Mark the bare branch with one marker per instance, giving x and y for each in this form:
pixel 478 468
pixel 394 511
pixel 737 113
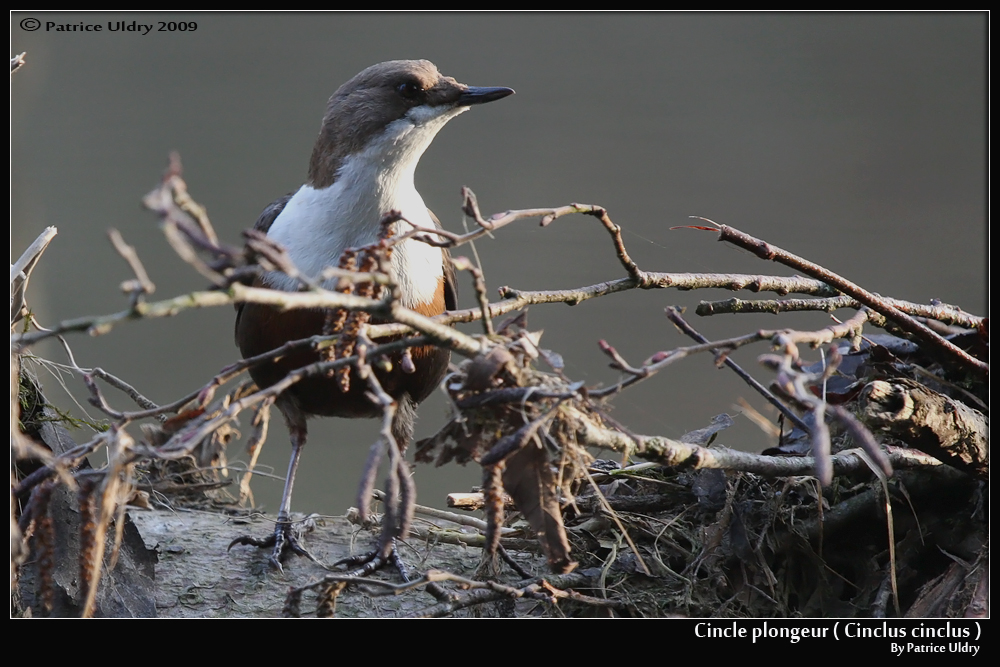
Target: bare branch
pixel 464 264
pixel 238 293
pixel 850 329
pixel 255 445
pixel 661 360
pixel 517 299
pixel 674 453
pixel 674 315
pixel 20 271
pixel 792 383
pixel 548 588
pixel 142 284
pixel 880 305
pixel 940 312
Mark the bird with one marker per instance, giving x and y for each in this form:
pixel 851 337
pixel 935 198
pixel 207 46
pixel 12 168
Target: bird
pixel 376 127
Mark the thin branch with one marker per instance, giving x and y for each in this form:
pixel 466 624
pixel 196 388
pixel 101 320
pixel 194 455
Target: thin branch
pixel 674 315
pixel 880 305
pixel 848 329
pixel 20 272
pixel 546 588
pixel 438 535
pixel 637 277
pixel 682 281
pixel 460 519
pixel 517 299
pixel 186 203
pixel 681 455
pixel 118 383
pixel 661 360
pixel 60 464
pixel 199 428
pixel 30 256
pixel 142 284
pixel 97 325
pixel 793 384
pixel 464 264
pixel 186 226
pixel 238 293
pixel 940 312
pixel 400 496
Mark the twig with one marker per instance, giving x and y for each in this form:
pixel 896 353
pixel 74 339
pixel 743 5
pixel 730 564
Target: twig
pixel 634 272
pixel 792 383
pixel 460 519
pixel 518 395
pixel 20 271
pixel 238 293
pixel 186 202
pixel 674 315
pixel 56 464
pixel 255 444
pixel 142 284
pixel 547 588
pixel 118 383
pixel 661 360
pixel 674 453
pixel 185 224
pixel 880 305
pixel 517 299
pixel 682 281
pixel 436 534
pixel 470 207
pixel 848 329
pixel 400 496
pixel 463 264
pixel 204 395
pixel 30 256
pixel 199 428
pixel 637 277
pixel 96 325
pixel 940 312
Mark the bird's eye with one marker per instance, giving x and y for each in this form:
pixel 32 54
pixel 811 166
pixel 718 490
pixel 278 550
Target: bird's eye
pixel 409 90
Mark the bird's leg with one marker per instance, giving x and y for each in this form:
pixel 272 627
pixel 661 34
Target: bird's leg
pixel 400 498
pixel 287 534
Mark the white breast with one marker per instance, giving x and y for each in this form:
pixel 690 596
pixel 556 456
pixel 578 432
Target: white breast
pixel 316 226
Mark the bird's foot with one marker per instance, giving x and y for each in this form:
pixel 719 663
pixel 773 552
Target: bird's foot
pixel 375 560
pixel 286 538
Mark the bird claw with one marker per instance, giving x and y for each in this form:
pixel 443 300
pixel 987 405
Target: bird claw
pixel 374 561
pixel 286 538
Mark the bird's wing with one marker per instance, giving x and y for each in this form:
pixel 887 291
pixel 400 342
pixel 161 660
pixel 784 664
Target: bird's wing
pixel 270 213
pixel 450 282
pixel 263 224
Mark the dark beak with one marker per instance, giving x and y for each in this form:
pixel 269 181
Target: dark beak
pixel 477 95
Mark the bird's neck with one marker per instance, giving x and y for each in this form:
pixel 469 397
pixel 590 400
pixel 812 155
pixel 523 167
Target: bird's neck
pixel 318 224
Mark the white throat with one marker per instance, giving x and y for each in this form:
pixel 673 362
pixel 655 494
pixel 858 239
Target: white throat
pixel 317 225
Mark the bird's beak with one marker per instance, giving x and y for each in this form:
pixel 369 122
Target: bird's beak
pixel 479 95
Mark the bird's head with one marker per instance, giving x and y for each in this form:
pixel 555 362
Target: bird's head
pixel 393 108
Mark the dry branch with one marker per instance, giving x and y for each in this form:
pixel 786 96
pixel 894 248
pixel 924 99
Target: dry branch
pixel 937 312
pixel 880 305
pixel 677 454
